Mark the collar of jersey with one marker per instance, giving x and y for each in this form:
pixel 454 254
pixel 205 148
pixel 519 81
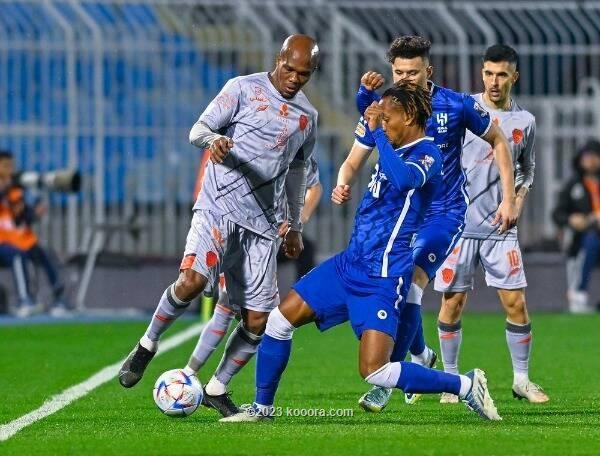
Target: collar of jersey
pixel 410 144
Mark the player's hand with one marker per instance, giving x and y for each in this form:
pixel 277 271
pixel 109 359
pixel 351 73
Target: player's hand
pixel 220 148
pixel 372 80
pixel 283 229
pixel 341 194
pixel 579 222
pixel 506 215
pixel 374 114
pixel 292 244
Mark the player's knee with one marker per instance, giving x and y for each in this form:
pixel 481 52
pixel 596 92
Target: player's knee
pixel 255 322
pixel 452 306
pixel 369 366
pixel 278 327
pixel 189 285
pixel 516 307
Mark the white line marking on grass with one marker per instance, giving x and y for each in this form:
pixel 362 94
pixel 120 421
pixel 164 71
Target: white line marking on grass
pixel 55 403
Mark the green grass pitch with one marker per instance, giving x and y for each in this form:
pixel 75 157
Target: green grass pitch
pixel 38 361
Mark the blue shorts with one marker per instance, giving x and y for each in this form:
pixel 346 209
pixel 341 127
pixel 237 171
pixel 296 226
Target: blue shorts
pixel 435 240
pixel 338 291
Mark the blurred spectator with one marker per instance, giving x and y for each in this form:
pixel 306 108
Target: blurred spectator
pixel 578 213
pixel 19 245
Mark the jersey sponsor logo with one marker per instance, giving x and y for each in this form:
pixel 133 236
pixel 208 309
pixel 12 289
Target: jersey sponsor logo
pixel 303 122
pixel 226 101
pixel 262 107
pixel 381 314
pixel 447 275
pixel 442 120
pixel 259 96
pixel 360 130
pixel 284 110
pixel 482 112
pixel 427 161
pixel 517 136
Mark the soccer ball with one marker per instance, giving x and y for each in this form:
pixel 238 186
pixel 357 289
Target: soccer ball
pixel 177 394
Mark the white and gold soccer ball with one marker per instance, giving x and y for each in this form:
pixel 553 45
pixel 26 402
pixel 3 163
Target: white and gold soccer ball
pixel 177 394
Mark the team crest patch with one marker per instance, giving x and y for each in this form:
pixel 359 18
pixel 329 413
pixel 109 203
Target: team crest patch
pixel 211 259
pixel 482 112
pixel 427 161
pixel 517 136
pixel 447 275
pixel 303 122
pixel 360 130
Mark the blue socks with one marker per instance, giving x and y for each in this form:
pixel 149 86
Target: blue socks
pixel 410 322
pixel 418 344
pixel 419 379
pixel 271 361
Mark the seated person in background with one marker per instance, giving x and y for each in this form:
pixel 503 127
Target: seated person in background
pixel 19 244
pixel 578 213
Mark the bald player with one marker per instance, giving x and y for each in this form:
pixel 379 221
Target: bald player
pixel 260 131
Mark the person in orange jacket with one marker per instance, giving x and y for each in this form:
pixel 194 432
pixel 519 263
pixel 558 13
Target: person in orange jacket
pixel 19 244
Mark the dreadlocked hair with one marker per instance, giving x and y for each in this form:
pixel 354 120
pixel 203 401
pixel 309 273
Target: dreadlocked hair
pixel 414 100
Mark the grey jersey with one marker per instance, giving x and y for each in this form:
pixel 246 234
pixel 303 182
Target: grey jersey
pixel 268 132
pixel 482 177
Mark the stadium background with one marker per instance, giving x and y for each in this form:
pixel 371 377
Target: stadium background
pixel 112 88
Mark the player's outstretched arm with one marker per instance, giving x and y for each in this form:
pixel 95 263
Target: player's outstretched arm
pixel 348 172
pixel 311 201
pixel 506 215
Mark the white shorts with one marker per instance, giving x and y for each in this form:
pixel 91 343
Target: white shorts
pixel 247 260
pixel 223 296
pixel 501 262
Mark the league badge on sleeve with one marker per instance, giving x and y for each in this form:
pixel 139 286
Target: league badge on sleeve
pixel 482 112
pixel 360 130
pixel 427 161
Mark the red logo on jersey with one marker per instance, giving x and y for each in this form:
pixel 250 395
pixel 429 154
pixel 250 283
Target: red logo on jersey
pixel 283 111
pixel 456 250
pixel 303 121
pixel 447 275
pixel 211 259
pixel 517 136
pixel 262 108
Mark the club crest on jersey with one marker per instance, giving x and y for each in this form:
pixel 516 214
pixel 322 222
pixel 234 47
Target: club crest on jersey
pixel 517 136
pixel 284 110
pixel 360 130
pixel 442 120
pixel 427 161
pixel 303 122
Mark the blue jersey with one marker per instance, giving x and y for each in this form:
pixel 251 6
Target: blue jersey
pixel 402 186
pixel 452 114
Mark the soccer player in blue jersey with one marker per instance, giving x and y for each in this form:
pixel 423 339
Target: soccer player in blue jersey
pixel 367 283
pixel 452 114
